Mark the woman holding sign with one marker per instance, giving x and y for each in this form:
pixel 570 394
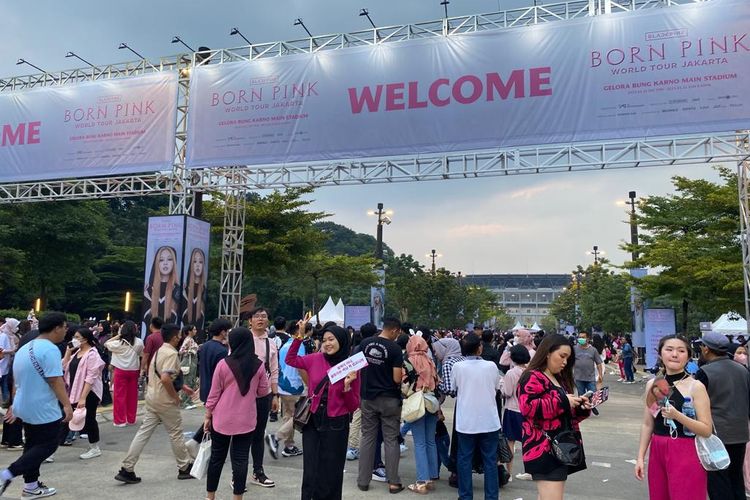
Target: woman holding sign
pixel 325 435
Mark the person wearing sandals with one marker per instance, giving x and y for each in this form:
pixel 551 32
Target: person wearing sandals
pixel 83 367
pixel 326 434
pixel 421 368
pixel 512 418
pixel 231 414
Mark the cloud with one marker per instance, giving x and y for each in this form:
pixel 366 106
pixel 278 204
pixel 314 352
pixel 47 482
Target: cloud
pixel 534 191
pixel 480 230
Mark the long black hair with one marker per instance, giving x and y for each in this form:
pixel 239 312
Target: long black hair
pixel 548 345
pixel 128 331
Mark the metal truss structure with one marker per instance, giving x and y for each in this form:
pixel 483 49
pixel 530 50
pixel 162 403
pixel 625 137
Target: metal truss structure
pixel 233 181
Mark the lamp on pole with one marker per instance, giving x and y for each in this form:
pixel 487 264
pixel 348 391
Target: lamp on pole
pixel 433 255
pixel 383 218
pixel 177 39
pixel 24 61
pixel 596 253
pixel 124 45
pixel 633 226
pixel 73 54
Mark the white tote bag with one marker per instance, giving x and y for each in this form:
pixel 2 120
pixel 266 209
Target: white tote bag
pixel 200 464
pixel 413 407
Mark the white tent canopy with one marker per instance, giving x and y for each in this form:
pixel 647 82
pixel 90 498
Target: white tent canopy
pixel 535 327
pixel 730 323
pixel 330 312
pixel 518 326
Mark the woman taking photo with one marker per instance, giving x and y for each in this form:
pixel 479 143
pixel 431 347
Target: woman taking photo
pixel 231 414
pixel 325 436
pixel 546 401
pixel 674 470
pixel 82 372
pixel 126 348
pixel 422 375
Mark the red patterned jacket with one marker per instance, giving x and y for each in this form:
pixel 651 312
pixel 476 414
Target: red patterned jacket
pixel 544 406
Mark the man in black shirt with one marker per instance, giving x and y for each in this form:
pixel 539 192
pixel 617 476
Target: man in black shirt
pixel 489 353
pixel 209 355
pixel 381 403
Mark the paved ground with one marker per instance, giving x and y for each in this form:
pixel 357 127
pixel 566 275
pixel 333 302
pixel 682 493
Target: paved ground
pixel 610 440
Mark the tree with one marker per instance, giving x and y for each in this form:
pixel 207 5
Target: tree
pixel 340 240
pixel 691 237
pixel 60 242
pixel 549 323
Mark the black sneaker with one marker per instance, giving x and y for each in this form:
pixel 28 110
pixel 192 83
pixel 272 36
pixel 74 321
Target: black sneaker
pixel 273 416
pixel 185 472
pixel 127 477
pixel 273 446
pixel 260 479
pixel 291 452
pixel 453 480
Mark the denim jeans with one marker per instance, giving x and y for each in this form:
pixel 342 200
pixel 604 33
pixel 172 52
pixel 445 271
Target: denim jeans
pixel 585 385
pixel 628 369
pixel 425 449
pixel 487 443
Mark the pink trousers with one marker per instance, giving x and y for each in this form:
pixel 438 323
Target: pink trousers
pixel 125 396
pixel 674 471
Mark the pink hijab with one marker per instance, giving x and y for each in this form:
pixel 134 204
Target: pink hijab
pixel 416 349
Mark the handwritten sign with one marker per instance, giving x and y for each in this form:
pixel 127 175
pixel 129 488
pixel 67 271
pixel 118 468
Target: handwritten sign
pixel 351 364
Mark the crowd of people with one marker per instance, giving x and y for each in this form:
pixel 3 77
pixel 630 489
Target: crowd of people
pixel 520 388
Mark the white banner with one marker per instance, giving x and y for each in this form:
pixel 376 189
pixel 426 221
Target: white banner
pixel 675 70
pixel 657 323
pixel 93 128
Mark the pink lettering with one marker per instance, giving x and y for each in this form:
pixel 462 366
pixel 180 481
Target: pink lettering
pixel 596 59
pixel 23 133
pixel 494 81
pixel 685 45
pixel 414 101
pixel 214 99
pixel 394 96
pixel 738 42
pixel 475 82
pixel 357 102
pixel 433 93
pixel 537 78
pixel 33 133
pixel 615 57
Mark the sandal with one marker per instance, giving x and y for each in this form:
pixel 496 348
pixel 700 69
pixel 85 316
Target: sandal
pixel 430 484
pixel 395 488
pixel 420 488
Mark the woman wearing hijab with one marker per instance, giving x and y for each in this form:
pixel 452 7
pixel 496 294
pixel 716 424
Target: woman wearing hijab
pixel 7 333
pixel 325 436
pixel 421 373
pixel 231 414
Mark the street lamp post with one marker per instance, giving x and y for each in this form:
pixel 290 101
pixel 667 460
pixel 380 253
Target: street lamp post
pixel 433 255
pixel 596 253
pixel 633 226
pixel 383 218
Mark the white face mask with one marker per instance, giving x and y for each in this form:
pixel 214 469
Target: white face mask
pixel 75 343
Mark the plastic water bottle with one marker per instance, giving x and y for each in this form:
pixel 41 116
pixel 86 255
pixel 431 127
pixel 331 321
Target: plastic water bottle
pixel 689 411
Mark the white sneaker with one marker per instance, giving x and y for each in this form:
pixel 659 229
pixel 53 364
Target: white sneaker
pixel 40 491
pixel 403 449
pixel 120 425
pixel 93 452
pixel 50 459
pixel 523 476
pixel 192 447
pixel 352 453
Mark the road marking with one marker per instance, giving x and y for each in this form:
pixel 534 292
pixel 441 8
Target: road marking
pixel 601 464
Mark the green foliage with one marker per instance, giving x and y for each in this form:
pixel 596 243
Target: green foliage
pixel 692 238
pixel 602 297
pixel 22 315
pixel 549 323
pixel 343 241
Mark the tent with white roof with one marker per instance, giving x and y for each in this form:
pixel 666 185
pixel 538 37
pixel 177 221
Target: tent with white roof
pixel 518 326
pixel 730 323
pixel 535 327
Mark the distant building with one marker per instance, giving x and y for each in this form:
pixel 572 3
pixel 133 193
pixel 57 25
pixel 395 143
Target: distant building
pixel 526 297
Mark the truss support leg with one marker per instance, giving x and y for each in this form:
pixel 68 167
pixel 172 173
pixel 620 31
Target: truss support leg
pixel 743 184
pixel 232 252
pixel 181 198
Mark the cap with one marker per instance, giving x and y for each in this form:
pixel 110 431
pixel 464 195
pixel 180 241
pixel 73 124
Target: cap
pixel 79 420
pixel 716 341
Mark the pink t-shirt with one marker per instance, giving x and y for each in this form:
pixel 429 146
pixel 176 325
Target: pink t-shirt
pixel 232 412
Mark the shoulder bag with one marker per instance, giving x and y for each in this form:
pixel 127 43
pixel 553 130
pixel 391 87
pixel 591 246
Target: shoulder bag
pixel 177 382
pixel 302 407
pixel 711 452
pixel 565 445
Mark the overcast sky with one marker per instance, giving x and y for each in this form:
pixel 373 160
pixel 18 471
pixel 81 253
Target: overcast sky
pixel 527 224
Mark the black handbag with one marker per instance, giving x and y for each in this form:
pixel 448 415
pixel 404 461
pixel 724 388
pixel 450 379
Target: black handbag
pixel 566 447
pixel 504 453
pixel 302 407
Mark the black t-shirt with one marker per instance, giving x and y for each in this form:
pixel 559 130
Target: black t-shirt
pixel 383 356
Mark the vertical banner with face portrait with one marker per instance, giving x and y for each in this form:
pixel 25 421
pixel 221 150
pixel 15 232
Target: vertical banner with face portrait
pixel 162 290
pixel 377 299
pixel 195 272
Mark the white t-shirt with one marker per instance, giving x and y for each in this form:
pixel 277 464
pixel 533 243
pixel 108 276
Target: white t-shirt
pixel 476 382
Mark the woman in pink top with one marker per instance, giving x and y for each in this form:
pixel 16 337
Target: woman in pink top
pixel 230 410
pixel 325 436
pixel 82 371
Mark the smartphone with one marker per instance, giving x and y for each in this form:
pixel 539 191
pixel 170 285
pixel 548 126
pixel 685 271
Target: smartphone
pixel 600 397
pixel 587 395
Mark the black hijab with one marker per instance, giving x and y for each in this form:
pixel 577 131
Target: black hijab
pixel 344 344
pixel 242 359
